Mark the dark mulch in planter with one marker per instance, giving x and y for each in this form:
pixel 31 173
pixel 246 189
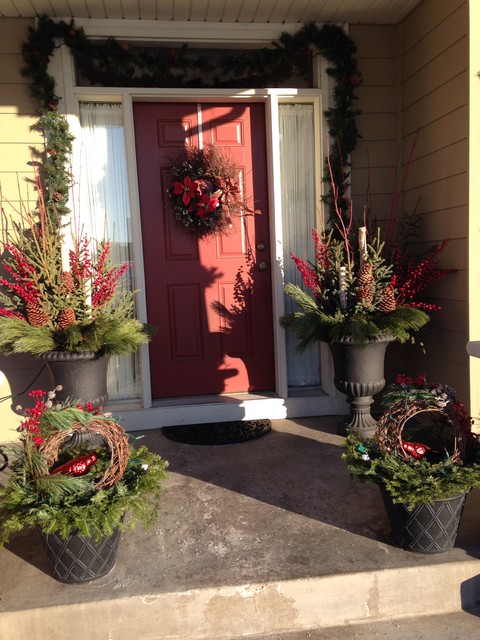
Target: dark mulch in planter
pixel 218 432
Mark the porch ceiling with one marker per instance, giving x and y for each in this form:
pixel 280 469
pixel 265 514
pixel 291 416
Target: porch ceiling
pixel 258 11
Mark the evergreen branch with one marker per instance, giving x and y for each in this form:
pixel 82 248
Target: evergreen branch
pixel 17 336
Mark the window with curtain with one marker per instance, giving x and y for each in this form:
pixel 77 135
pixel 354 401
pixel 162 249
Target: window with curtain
pixel 104 212
pixel 297 162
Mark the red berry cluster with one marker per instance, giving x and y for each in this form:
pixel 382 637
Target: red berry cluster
pixel 90 408
pixel 23 275
pixel 309 277
pixel 105 281
pixel 33 415
pixel 322 255
pixel 81 261
pixel 9 313
pixel 411 279
pixel 419 381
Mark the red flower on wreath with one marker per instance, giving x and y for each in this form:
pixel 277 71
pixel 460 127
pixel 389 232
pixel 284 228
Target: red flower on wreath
pixel 189 189
pixel 206 204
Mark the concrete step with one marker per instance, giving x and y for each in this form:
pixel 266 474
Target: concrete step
pixel 453 626
pixel 270 536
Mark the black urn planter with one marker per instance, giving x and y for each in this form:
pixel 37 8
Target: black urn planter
pixel 427 528
pixel 80 559
pixel 359 373
pixel 82 375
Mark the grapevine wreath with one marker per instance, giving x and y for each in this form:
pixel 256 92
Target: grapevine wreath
pixel 411 406
pixel 114 437
pixel 206 190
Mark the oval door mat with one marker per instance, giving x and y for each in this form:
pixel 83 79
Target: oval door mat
pixel 218 432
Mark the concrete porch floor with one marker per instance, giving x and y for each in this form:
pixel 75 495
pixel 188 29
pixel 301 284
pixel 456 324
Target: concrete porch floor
pixel 268 538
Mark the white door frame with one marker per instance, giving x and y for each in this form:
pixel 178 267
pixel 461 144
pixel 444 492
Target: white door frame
pixel 241 406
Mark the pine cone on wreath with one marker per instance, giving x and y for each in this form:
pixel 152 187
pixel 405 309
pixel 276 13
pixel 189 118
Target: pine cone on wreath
pixel 68 283
pixel 66 318
pixel 387 303
pixel 36 316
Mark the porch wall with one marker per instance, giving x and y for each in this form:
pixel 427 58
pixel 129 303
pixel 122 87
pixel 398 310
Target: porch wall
pixel 17 110
pixel 374 160
pixel 474 205
pixel 416 80
pixel 434 101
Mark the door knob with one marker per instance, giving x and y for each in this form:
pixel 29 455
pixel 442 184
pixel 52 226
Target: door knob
pixel 263 266
pixel 261 246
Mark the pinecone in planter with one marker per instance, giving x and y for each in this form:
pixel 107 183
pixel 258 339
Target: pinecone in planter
pixel 66 317
pixel 365 275
pixel 68 283
pixel 365 296
pixel 365 283
pixel 387 303
pixel 36 316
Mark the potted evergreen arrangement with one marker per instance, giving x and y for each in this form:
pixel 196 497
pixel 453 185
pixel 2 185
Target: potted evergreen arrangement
pixel 424 457
pixel 76 477
pixel 360 294
pixel 61 298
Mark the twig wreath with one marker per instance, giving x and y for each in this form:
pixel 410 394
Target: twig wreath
pixel 115 439
pixel 416 402
pixel 205 191
pixel 115 63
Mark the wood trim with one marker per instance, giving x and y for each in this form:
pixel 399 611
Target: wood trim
pixel 195 33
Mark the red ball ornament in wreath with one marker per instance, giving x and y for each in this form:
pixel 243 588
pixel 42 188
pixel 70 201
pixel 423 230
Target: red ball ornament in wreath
pixel 205 191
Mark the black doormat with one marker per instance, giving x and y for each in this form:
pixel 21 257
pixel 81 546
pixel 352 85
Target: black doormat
pixel 218 432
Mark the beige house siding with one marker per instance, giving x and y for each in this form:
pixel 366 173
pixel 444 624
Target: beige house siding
pixel 474 204
pixel 374 159
pixel 17 110
pixel 434 102
pixel 416 83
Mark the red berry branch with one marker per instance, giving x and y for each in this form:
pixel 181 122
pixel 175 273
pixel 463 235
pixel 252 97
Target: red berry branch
pixel 410 279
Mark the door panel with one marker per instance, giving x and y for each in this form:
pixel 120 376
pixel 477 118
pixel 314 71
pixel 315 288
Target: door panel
pixel 209 299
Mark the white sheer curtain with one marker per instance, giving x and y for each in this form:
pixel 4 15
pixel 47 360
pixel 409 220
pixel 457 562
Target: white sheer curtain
pixel 104 212
pixel 297 161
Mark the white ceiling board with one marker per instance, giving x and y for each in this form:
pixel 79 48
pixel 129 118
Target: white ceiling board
pixel 12 9
pixel 78 8
pixel 165 10
pixel 113 9
pixel 96 9
pixel 198 10
pixel 256 11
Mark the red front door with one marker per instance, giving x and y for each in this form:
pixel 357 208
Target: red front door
pixel 198 350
